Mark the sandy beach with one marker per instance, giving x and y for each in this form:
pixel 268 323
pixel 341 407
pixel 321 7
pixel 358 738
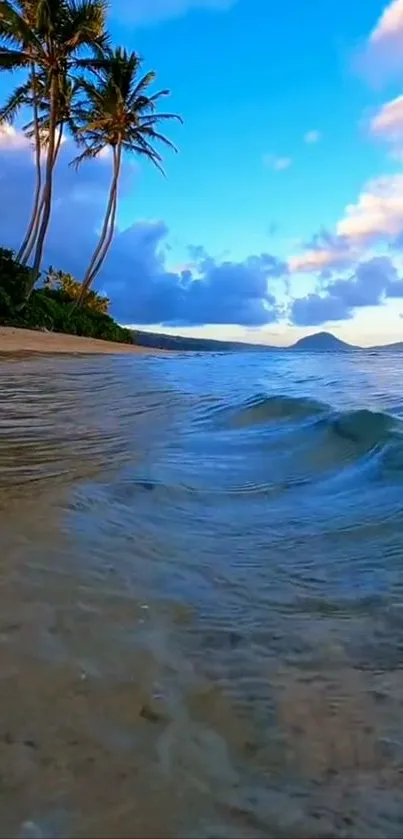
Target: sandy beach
pixel 15 341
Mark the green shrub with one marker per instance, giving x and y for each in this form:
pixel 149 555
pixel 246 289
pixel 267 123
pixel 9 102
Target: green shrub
pixel 14 283
pixel 51 307
pixel 68 288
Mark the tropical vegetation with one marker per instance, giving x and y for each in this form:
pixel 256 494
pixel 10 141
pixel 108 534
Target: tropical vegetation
pixel 52 306
pixel 75 84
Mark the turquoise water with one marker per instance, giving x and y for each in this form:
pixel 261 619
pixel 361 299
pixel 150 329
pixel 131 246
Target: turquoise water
pixel 202 596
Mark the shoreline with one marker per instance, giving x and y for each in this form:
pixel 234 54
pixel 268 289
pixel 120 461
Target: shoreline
pixel 17 341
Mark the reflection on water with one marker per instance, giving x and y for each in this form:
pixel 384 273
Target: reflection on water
pixel 201 617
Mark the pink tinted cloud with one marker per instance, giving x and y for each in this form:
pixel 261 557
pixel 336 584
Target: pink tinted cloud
pixel 389 27
pixel 382 54
pixel 313 261
pixel 388 122
pixel 376 216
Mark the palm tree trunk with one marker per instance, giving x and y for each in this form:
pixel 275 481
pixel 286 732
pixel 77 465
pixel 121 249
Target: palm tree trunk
pixel 108 241
pixel 47 191
pixel 36 206
pixel 34 232
pixel 107 229
pixel 108 213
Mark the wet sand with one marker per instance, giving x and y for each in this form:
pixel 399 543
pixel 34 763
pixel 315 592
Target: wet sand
pixel 16 341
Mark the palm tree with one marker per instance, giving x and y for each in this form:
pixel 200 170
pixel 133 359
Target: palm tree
pixel 52 40
pixel 116 113
pixel 25 94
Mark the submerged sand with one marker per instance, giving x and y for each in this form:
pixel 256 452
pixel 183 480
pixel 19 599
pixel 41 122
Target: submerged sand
pixel 13 340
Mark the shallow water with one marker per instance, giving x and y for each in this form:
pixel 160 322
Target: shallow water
pixel 201 596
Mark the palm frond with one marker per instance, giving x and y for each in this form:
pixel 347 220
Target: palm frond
pixel 92 91
pixel 150 119
pixel 144 83
pixel 88 154
pixel 113 108
pixel 17 99
pixel 9 39
pixel 145 150
pixel 94 63
pixel 150 133
pixel 85 24
pixel 15 26
pixel 13 59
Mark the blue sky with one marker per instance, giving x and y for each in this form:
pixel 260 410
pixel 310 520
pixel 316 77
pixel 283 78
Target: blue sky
pixel 286 124
pixel 249 84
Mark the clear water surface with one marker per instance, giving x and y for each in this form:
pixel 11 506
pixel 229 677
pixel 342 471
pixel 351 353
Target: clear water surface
pixel 201 596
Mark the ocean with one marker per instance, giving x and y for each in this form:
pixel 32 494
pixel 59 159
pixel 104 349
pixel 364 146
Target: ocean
pixel 201 599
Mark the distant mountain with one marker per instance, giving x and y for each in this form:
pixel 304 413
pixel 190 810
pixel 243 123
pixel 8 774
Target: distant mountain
pixel 320 342
pixel 389 347
pixel 178 342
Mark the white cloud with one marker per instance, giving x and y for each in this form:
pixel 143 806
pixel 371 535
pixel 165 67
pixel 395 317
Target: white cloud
pixel 312 137
pixel 153 11
pixel 11 139
pixel 279 164
pixel 376 216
